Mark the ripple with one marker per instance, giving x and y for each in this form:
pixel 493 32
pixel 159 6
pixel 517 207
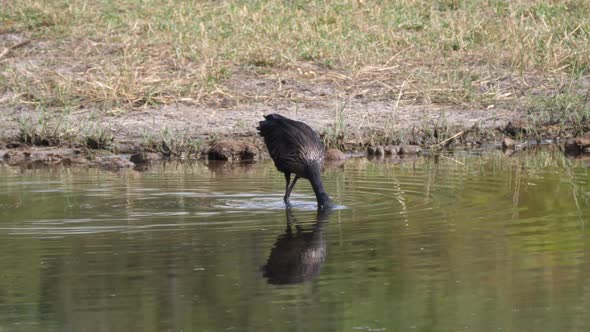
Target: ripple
pixel 266 202
pixel 146 214
pixel 63 221
pixel 56 190
pixel 61 230
pixel 424 235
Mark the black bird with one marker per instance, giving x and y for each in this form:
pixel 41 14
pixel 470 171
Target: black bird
pixel 296 149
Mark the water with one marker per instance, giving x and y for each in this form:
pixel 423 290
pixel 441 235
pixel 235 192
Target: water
pixel 464 242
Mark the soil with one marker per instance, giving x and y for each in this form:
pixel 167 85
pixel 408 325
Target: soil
pixel 363 122
pixel 358 118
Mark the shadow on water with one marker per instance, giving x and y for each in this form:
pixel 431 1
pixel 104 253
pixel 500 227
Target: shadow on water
pixel 298 254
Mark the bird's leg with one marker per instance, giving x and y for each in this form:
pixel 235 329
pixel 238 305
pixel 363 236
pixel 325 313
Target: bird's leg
pixel 289 188
pixel 288 180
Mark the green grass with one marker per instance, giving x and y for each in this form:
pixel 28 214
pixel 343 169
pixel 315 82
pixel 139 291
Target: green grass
pixel 173 143
pixel 46 130
pixel 131 53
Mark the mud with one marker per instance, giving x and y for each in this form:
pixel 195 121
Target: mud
pixel 335 155
pixel 229 132
pixel 232 150
pixel 357 119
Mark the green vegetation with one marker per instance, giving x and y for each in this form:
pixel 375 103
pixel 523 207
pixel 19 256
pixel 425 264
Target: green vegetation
pixel 565 107
pixel 50 130
pixel 46 131
pixel 173 143
pixel 131 53
pixel 98 138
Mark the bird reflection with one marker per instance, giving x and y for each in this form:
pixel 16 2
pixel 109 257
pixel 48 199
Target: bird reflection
pixel 297 255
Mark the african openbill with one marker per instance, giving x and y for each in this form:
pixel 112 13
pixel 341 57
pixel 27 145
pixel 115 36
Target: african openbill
pixel 296 149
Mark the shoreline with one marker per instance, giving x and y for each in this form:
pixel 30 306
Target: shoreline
pixel 71 156
pixel 189 132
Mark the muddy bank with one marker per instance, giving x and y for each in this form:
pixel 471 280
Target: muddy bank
pixel 123 139
pixel 348 126
pixel 232 152
pixel 32 157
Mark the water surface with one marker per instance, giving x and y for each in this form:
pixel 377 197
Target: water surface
pixel 465 242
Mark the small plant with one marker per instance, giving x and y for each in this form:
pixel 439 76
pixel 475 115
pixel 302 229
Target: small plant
pixel 44 131
pixel 180 143
pixel 568 108
pixel 335 134
pixel 172 143
pixel 98 138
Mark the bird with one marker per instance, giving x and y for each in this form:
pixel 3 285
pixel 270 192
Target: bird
pixel 295 148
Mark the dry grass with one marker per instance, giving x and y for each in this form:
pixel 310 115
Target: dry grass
pixel 130 53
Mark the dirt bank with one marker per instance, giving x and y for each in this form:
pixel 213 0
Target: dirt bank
pixel 346 121
pixel 353 122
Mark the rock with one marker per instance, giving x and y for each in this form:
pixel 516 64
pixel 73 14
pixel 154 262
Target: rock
pixel 43 156
pixel 392 149
pixel 508 143
pixel 578 145
pixel 52 159
pixel 15 155
pixel 334 154
pixel 145 157
pixel 570 146
pixel 409 149
pixel 233 150
pixel 114 163
pixel 78 160
pixel 583 142
pixel 379 150
pixel 515 128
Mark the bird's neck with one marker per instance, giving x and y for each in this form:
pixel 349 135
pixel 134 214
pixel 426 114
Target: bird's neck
pixel 318 188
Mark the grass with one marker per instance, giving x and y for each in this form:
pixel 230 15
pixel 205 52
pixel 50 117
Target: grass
pixel 173 143
pixel 97 138
pixel 45 131
pixel 129 54
pixel 335 134
pixel 567 107
pixel 51 130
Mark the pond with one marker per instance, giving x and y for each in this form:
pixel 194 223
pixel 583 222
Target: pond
pixel 477 242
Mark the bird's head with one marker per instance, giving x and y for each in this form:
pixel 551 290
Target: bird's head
pixel 313 173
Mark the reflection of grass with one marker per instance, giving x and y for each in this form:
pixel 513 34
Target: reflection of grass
pixel 448 263
pixel 138 53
